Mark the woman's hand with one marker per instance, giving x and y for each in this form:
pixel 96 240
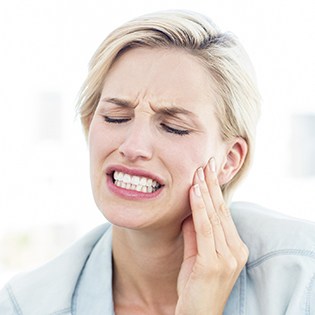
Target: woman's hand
pixel 214 254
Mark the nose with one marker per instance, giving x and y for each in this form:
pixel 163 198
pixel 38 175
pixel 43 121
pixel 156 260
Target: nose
pixel 138 141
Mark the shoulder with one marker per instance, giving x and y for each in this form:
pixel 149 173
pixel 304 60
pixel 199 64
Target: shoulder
pixel 280 271
pixel 265 231
pixel 49 288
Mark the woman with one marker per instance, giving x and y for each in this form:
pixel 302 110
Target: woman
pixel 169 109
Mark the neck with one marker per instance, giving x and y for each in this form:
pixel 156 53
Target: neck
pixel 146 266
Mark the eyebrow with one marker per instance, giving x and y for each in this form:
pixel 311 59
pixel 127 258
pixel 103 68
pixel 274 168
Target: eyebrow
pixel 118 101
pixel 172 111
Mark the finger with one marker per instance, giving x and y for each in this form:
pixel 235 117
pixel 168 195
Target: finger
pixel 218 232
pixel 229 228
pixel 204 233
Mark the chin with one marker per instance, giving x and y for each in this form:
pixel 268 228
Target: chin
pixel 127 217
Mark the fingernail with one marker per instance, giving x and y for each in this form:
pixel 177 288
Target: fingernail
pixel 197 190
pixel 201 174
pixel 212 165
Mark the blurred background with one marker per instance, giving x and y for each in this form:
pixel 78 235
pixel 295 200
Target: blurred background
pixel 45 197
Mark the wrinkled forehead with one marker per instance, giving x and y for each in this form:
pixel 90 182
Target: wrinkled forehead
pixel 161 77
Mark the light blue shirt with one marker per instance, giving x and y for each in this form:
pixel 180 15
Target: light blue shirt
pixel 279 277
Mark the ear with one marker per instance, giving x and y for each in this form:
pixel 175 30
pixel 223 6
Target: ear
pixel 233 160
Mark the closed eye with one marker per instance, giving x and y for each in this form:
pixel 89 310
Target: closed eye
pixel 116 120
pixel 176 131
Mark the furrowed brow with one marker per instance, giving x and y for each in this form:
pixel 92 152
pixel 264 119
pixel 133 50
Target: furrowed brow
pixel 118 101
pixel 175 111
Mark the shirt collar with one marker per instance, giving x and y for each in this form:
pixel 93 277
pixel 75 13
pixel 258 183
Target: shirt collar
pixel 93 294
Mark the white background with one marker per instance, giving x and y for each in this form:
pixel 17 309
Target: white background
pixel 45 198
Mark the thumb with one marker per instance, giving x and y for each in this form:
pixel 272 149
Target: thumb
pixel 189 236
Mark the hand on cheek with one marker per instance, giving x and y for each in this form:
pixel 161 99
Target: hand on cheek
pixel 214 254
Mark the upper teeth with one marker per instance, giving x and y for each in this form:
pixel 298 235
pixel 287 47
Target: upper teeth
pixel 135 180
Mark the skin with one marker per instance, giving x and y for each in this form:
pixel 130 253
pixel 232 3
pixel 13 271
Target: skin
pixel 177 253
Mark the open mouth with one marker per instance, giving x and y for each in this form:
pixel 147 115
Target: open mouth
pixel 133 182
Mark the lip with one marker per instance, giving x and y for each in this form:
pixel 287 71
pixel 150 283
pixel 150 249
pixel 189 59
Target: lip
pixel 132 194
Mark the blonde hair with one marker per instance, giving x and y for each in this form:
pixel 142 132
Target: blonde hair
pixel 238 101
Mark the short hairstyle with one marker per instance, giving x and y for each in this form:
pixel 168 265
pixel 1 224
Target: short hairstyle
pixel 238 101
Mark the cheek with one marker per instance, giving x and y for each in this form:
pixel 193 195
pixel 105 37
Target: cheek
pixel 95 145
pixel 100 142
pixel 95 153
pixel 187 157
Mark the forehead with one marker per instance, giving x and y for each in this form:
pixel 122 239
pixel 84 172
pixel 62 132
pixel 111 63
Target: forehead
pixel 162 77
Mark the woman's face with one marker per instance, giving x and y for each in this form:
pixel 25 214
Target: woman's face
pixel 153 127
